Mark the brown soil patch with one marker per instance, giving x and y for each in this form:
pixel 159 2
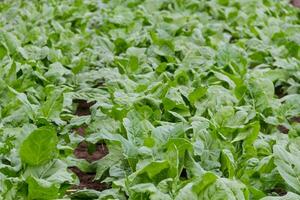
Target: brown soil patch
pixel 283 129
pixel 296 3
pixel 87 181
pixel 295 119
pixel 80 131
pixel 83 107
pixel 82 152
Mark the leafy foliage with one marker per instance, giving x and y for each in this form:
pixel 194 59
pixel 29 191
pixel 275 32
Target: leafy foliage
pixel 189 96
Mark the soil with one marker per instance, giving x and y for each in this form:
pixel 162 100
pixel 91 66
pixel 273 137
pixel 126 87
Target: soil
pixel 82 152
pixel 279 91
pixel 279 191
pixel 295 119
pixel 83 107
pixel 283 129
pixel 87 180
pixel 296 3
pixel 80 131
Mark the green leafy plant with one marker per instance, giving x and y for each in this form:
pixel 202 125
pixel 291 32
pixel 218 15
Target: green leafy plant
pixel 190 99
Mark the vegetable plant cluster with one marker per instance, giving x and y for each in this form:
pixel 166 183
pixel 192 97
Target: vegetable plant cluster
pixel 192 99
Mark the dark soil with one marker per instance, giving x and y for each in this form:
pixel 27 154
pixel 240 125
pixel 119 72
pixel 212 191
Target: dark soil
pixel 80 131
pixel 279 91
pixel 279 191
pixel 87 180
pixel 283 129
pixel 83 107
pixel 82 152
pixel 295 119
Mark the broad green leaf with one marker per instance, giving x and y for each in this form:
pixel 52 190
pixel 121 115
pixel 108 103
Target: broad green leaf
pixel 41 189
pixel 52 107
pixel 55 172
pixel 115 156
pixel 288 165
pixel 39 147
pixel 248 134
pixel 150 188
pixel 226 189
pixel 151 170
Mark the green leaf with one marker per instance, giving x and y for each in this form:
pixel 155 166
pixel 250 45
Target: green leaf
pixel 288 164
pixel 55 171
pixel 288 196
pixel 228 163
pixel 193 189
pixel 115 156
pixel 248 134
pixel 136 127
pixel 11 41
pixel 152 169
pixel 196 94
pixel 162 134
pixel 204 182
pixel 39 147
pixel 52 107
pixel 150 188
pixel 3 51
pixel 41 189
